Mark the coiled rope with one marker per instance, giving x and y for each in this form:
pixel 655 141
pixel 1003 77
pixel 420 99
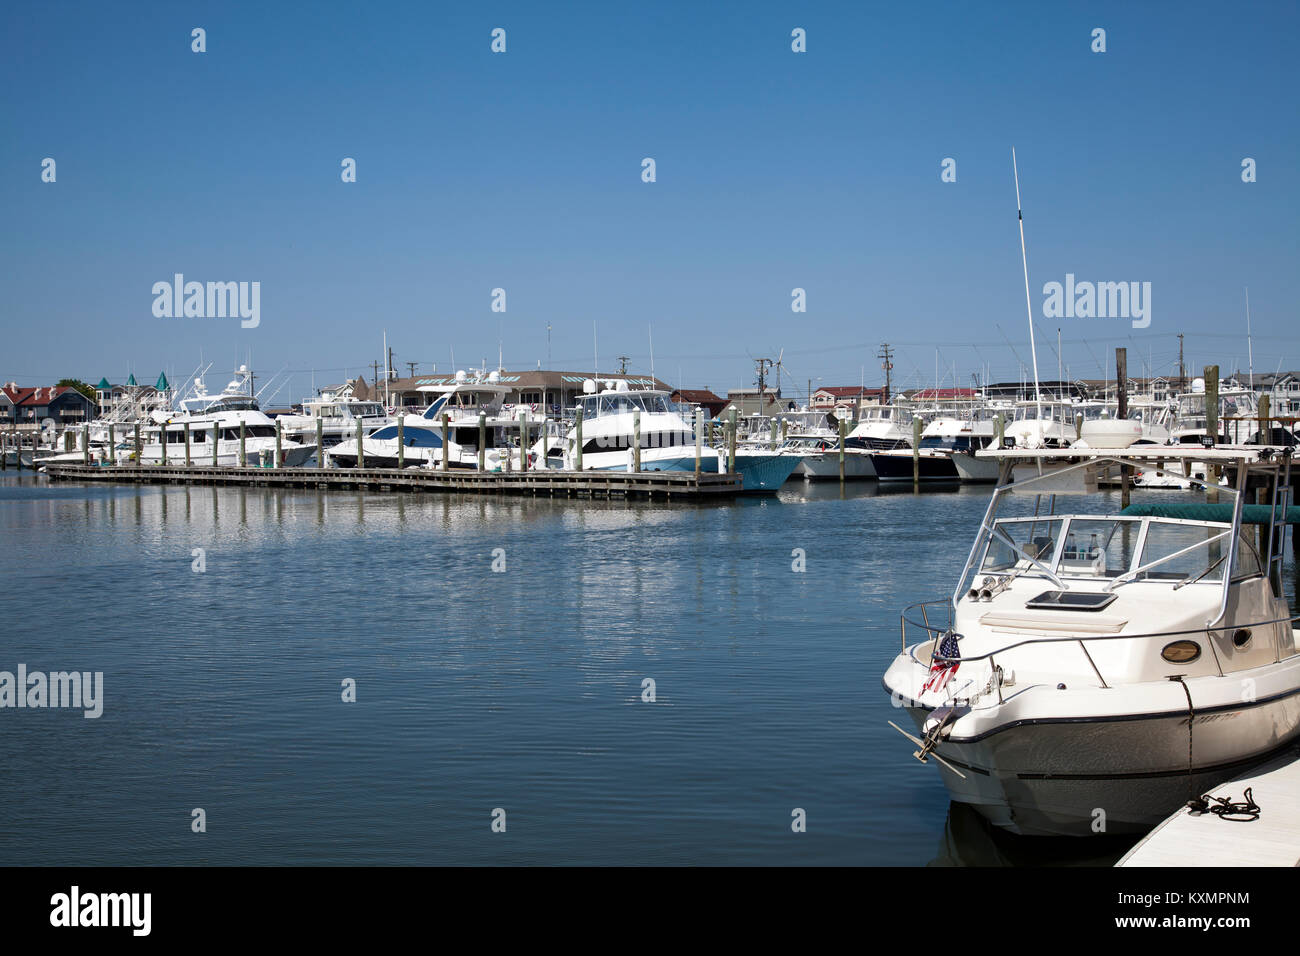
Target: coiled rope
pixel 1244 811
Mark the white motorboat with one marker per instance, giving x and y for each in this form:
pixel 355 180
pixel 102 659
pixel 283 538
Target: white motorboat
pixel 225 429
pixel 1091 671
pixel 335 420
pixel 612 417
pixel 942 441
pixel 819 458
pixel 473 403
pixel 881 428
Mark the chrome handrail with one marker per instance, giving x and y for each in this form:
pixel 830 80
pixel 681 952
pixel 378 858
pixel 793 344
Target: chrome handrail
pixel 1076 638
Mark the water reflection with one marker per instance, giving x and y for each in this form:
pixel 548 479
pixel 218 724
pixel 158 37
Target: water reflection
pixel 970 840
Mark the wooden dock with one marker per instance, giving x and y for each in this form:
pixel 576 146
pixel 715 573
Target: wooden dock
pixel 538 483
pixel 1207 840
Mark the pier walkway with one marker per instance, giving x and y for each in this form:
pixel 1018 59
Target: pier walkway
pixel 1207 840
pixel 665 485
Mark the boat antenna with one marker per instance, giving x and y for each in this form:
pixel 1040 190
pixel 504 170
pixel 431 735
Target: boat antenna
pixel 595 352
pixel 1250 349
pixel 650 326
pixel 1029 307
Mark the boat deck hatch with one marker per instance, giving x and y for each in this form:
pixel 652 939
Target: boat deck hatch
pixel 1070 601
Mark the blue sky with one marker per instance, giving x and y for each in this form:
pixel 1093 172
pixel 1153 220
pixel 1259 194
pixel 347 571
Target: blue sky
pixel 522 170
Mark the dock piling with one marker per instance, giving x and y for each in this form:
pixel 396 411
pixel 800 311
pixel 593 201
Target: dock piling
pixel 446 452
pixel 699 438
pixel 916 453
pixel 577 446
pixel 636 440
pixel 482 439
pixel 843 429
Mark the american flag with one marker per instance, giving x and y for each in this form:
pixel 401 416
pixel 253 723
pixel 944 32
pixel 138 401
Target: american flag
pixel 941 671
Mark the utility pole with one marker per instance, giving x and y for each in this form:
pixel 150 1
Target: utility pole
pixel 1182 369
pixel 412 367
pixel 622 364
pixel 375 366
pixel 886 355
pixel 762 365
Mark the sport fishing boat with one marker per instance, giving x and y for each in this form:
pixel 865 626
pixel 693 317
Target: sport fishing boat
pixel 337 419
pixel 881 428
pixel 942 441
pixel 819 458
pixel 611 418
pixel 415 439
pixel 1093 670
pixel 226 429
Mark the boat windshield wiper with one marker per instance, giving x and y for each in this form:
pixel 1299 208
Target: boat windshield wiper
pixel 1061 585
pixel 1191 580
pixel 1128 576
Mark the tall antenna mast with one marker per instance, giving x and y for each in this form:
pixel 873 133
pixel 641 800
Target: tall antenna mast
pixel 1029 307
pixel 651 327
pixel 1250 349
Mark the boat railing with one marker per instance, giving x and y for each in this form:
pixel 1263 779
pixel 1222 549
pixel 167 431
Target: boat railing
pixel 937 632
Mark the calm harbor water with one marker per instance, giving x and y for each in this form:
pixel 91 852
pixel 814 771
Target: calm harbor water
pixel 476 689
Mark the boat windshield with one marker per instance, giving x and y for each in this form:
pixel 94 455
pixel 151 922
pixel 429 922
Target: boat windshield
pixel 1015 541
pixel 1087 547
pixel 617 403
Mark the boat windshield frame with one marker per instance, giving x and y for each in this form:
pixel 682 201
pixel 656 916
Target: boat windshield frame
pixel 1244 459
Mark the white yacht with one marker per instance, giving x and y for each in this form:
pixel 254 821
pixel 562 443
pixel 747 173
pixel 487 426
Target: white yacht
pixel 1092 671
pixel 230 420
pixel 942 440
pixel 881 428
pixel 819 458
pixel 337 419
pixel 421 433
pixel 667 443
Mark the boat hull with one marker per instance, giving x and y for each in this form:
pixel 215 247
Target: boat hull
pixel 892 467
pixel 972 470
pixel 1111 776
pixel 826 467
pixel 1041 760
pixel 760 474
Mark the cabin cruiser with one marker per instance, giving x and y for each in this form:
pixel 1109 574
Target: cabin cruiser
pixel 415 438
pixel 1091 671
pixel 819 458
pixel 609 422
pixel 881 428
pixel 942 440
pixel 336 418
pixel 228 428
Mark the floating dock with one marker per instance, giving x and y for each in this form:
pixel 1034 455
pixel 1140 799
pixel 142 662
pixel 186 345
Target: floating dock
pixel 538 483
pixel 1207 840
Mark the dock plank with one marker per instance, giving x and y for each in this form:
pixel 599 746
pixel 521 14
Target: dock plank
pixel 1185 839
pixel 668 485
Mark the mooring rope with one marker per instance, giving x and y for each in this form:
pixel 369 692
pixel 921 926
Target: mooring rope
pixel 1243 811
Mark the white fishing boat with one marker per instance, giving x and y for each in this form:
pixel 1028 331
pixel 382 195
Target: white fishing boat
pixel 819 458
pixel 225 429
pixel 472 404
pixel 612 417
pixel 943 440
pixel 334 420
pixel 1092 670
pixel 881 428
